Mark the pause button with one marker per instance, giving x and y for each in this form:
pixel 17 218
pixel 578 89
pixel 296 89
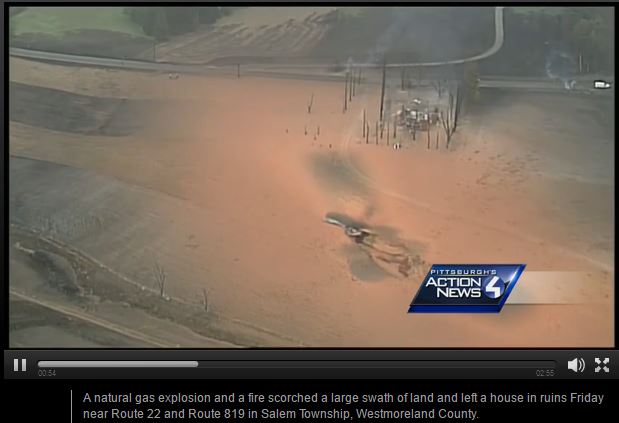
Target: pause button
pixel 16 362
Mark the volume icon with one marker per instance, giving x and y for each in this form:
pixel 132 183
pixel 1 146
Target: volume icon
pixel 576 365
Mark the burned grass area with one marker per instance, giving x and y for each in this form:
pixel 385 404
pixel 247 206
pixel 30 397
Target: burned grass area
pixel 103 286
pixel 408 34
pixel 90 42
pixel 377 253
pixel 332 172
pixel 64 111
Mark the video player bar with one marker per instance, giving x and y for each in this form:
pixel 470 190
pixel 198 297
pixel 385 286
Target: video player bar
pixel 283 364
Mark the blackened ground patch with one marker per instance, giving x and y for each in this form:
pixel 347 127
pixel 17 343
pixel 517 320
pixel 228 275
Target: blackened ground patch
pixel 332 172
pixel 76 113
pixel 89 42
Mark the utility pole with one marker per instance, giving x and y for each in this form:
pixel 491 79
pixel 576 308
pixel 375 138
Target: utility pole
pixel 350 88
pixel 364 123
pixel 382 90
pixel 428 137
pixel 346 93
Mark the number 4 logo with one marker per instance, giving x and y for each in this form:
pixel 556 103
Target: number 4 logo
pixel 494 287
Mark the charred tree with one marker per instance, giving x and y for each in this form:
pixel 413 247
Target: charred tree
pixel 457 107
pixel 346 92
pixel 364 123
pixel 161 277
pixel 439 86
pixel 449 117
pixel 350 87
pixel 428 137
pixel 382 91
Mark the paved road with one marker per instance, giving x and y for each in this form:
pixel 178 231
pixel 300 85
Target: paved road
pixel 108 62
pixel 292 72
pixel 192 68
pixel 295 71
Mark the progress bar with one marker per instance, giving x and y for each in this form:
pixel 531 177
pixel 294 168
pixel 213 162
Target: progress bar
pixel 111 364
pixel 308 364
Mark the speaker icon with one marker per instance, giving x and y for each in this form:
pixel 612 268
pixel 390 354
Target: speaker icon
pixel 576 365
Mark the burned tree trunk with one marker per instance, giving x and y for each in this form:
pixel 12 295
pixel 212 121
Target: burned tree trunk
pixel 363 122
pixel 160 277
pixel 457 107
pixel 382 91
pixel 428 137
pixel 350 88
pixel 438 86
pixel 449 118
pixel 446 124
pixel 346 93
pixel 310 104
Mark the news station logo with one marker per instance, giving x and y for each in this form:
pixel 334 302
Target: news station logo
pixel 466 288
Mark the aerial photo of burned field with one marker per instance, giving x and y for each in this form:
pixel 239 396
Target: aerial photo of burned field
pixel 285 177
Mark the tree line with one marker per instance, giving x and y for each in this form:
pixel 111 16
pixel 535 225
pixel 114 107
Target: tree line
pixel 533 34
pixel 163 22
